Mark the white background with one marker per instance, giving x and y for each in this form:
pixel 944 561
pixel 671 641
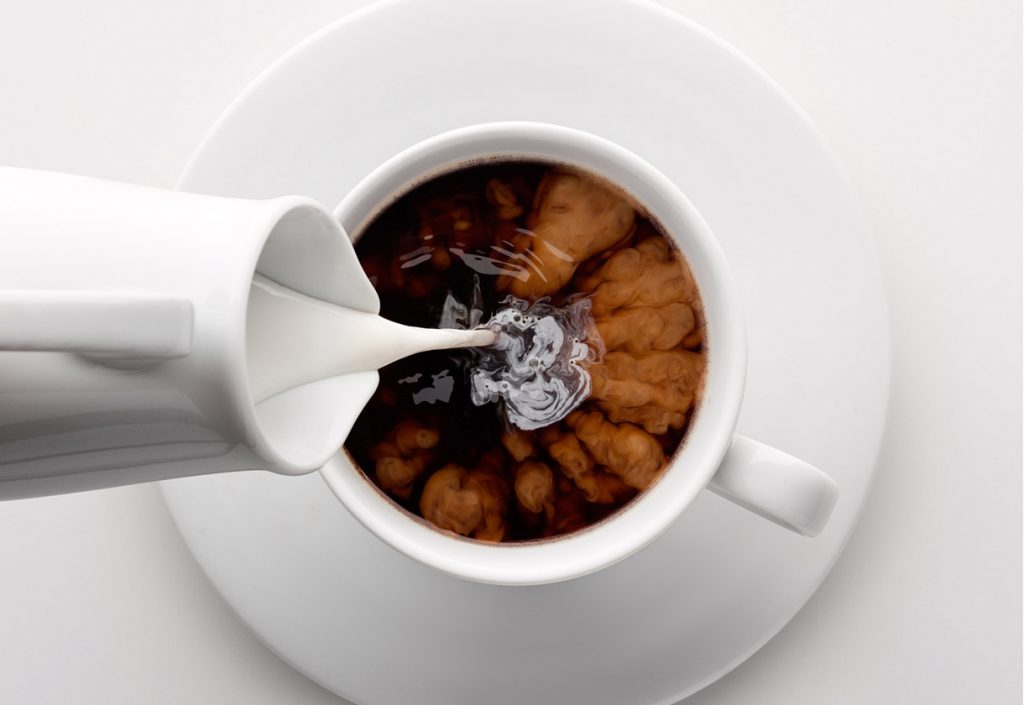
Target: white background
pixel 101 603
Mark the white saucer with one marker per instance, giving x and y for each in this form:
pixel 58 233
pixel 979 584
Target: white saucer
pixel 380 629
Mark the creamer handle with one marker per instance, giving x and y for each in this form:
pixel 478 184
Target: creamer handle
pixel 120 325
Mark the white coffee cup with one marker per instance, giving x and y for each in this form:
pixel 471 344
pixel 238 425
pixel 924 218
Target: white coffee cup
pixel 760 478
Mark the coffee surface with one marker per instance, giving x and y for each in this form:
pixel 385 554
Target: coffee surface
pixel 601 331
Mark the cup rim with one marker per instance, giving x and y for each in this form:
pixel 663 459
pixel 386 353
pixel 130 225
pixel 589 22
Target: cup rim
pixel 704 444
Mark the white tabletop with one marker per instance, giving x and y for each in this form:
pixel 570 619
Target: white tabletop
pixel 100 602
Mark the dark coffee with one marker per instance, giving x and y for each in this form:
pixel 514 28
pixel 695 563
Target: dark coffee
pixel 521 232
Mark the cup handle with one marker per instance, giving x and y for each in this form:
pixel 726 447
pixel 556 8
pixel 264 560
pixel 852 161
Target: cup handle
pixel 776 486
pixel 123 325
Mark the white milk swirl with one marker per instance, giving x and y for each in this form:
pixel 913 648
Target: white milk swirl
pixel 536 365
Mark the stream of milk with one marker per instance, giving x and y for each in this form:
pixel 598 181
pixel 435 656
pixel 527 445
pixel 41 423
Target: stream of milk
pixel 293 339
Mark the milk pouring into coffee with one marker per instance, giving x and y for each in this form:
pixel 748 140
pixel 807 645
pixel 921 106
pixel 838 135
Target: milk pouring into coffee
pixel 294 339
pixel 549 259
pixel 147 335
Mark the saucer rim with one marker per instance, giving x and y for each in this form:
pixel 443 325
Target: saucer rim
pixel 808 128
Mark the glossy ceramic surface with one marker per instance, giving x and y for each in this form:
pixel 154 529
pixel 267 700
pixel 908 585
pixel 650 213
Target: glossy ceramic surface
pixel 380 628
pixel 122 333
